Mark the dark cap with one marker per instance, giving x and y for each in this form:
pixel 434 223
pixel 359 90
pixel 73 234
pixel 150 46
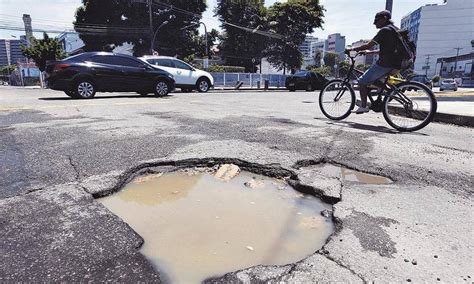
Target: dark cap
pixel 384 13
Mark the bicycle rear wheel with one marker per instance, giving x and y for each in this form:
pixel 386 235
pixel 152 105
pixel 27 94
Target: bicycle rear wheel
pixel 336 99
pixel 410 107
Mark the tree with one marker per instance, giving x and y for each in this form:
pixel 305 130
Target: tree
pixel 317 57
pixel 241 47
pixel 330 59
pixel 7 70
pixel 43 50
pixel 104 24
pixel 293 20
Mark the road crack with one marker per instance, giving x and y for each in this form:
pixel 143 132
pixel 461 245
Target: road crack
pixel 343 266
pixel 75 167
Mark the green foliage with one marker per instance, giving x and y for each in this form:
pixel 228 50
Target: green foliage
pixel 330 59
pixel 189 59
pixel 323 70
pixel 223 68
pixel 293 20
pixel 436 79
pixel 43 50
pixel 362 67
pixel 239 46
pixel 6 70
pixel 103 24
pixel 317 57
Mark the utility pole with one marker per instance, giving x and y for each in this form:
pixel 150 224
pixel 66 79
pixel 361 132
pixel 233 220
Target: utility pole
pixel 456 62
pixel 389 5
pixel 151 24
pixel 427 64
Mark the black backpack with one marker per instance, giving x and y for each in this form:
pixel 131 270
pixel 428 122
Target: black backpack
pixel 405 49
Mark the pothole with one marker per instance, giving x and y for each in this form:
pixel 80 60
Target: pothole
pixel 202 223
pixel 350 175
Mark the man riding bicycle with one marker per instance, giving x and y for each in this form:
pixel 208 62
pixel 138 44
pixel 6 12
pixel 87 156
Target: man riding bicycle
pixel 387 39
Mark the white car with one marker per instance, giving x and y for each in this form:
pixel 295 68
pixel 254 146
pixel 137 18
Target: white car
pixel 187 77
pixel 448 84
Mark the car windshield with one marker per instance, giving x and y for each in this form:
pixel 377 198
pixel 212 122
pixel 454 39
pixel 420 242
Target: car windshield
pixel 300 73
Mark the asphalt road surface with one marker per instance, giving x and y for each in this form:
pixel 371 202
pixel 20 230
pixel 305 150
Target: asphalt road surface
pixel 56 153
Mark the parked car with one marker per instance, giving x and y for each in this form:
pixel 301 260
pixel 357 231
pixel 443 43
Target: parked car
pixel 422 79
pixel 186 76
pixel 82 75
pixel 305 80
pixel 448 84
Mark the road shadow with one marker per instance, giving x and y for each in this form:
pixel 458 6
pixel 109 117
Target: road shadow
pixel 103 97
pixel 380 129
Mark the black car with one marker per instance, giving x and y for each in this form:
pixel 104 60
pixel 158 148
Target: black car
pixel 305 80
pixel 82 75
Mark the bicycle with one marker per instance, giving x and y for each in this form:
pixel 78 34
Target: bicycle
pixel 406 106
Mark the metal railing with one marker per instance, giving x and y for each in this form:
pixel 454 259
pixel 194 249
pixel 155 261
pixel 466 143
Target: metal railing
pixel 248 80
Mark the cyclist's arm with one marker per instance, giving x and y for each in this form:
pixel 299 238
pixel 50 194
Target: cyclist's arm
pixel 366 46
pixel 372 51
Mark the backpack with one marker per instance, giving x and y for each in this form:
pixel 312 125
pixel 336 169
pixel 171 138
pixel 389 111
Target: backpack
pixel 405 50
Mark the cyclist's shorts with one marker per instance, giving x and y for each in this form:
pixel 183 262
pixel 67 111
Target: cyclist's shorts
pixel 374 73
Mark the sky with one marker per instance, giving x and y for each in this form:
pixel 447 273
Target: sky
pixel 351 18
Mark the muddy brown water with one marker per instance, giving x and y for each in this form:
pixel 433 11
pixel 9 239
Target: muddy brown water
pixel 197 226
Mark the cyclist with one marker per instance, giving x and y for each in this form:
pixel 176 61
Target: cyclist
pixel 387 39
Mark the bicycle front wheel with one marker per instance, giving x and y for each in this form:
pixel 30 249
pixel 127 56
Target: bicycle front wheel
pixel 410 107
pixel 337 99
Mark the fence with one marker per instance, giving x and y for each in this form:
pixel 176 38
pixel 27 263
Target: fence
pixel 249 80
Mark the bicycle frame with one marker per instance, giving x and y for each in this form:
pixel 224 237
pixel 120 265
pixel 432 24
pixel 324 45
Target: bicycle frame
pixel 385 87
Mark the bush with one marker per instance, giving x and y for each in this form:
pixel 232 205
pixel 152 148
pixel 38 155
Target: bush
pixel 436 79
pixel 223 68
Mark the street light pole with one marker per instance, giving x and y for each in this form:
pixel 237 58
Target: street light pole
pixel 152 48
pixel 151 18
pixel 456 62
pixel 205 60
pixel 389 5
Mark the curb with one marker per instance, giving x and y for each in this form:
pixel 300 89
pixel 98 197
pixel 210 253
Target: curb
pixel 460 120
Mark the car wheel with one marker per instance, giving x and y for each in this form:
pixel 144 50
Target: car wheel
pixel 440 89
pixel 456 89
pixel 309 88
pixel 203 85
pixel 161 88
pixel 84 89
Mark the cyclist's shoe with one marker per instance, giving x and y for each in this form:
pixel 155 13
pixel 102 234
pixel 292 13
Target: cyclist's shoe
pixel 359 103
pixel 362 110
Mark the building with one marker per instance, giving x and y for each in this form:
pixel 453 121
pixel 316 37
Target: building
pixel 366 59
pixel 337 43
pixel 10 51
pixel 457 67
pixel 441 31
pixel 70 42
pixel 310 46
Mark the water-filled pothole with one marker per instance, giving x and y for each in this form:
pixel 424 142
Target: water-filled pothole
pixel 197 226
pixel 351 175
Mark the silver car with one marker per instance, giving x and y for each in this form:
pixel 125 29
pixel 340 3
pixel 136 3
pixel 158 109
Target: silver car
pixel 448 84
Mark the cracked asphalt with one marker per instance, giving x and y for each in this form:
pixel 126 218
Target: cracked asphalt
pixel 58 154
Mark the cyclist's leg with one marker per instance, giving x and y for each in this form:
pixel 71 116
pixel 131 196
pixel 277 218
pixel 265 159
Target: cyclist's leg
pixel 374 73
